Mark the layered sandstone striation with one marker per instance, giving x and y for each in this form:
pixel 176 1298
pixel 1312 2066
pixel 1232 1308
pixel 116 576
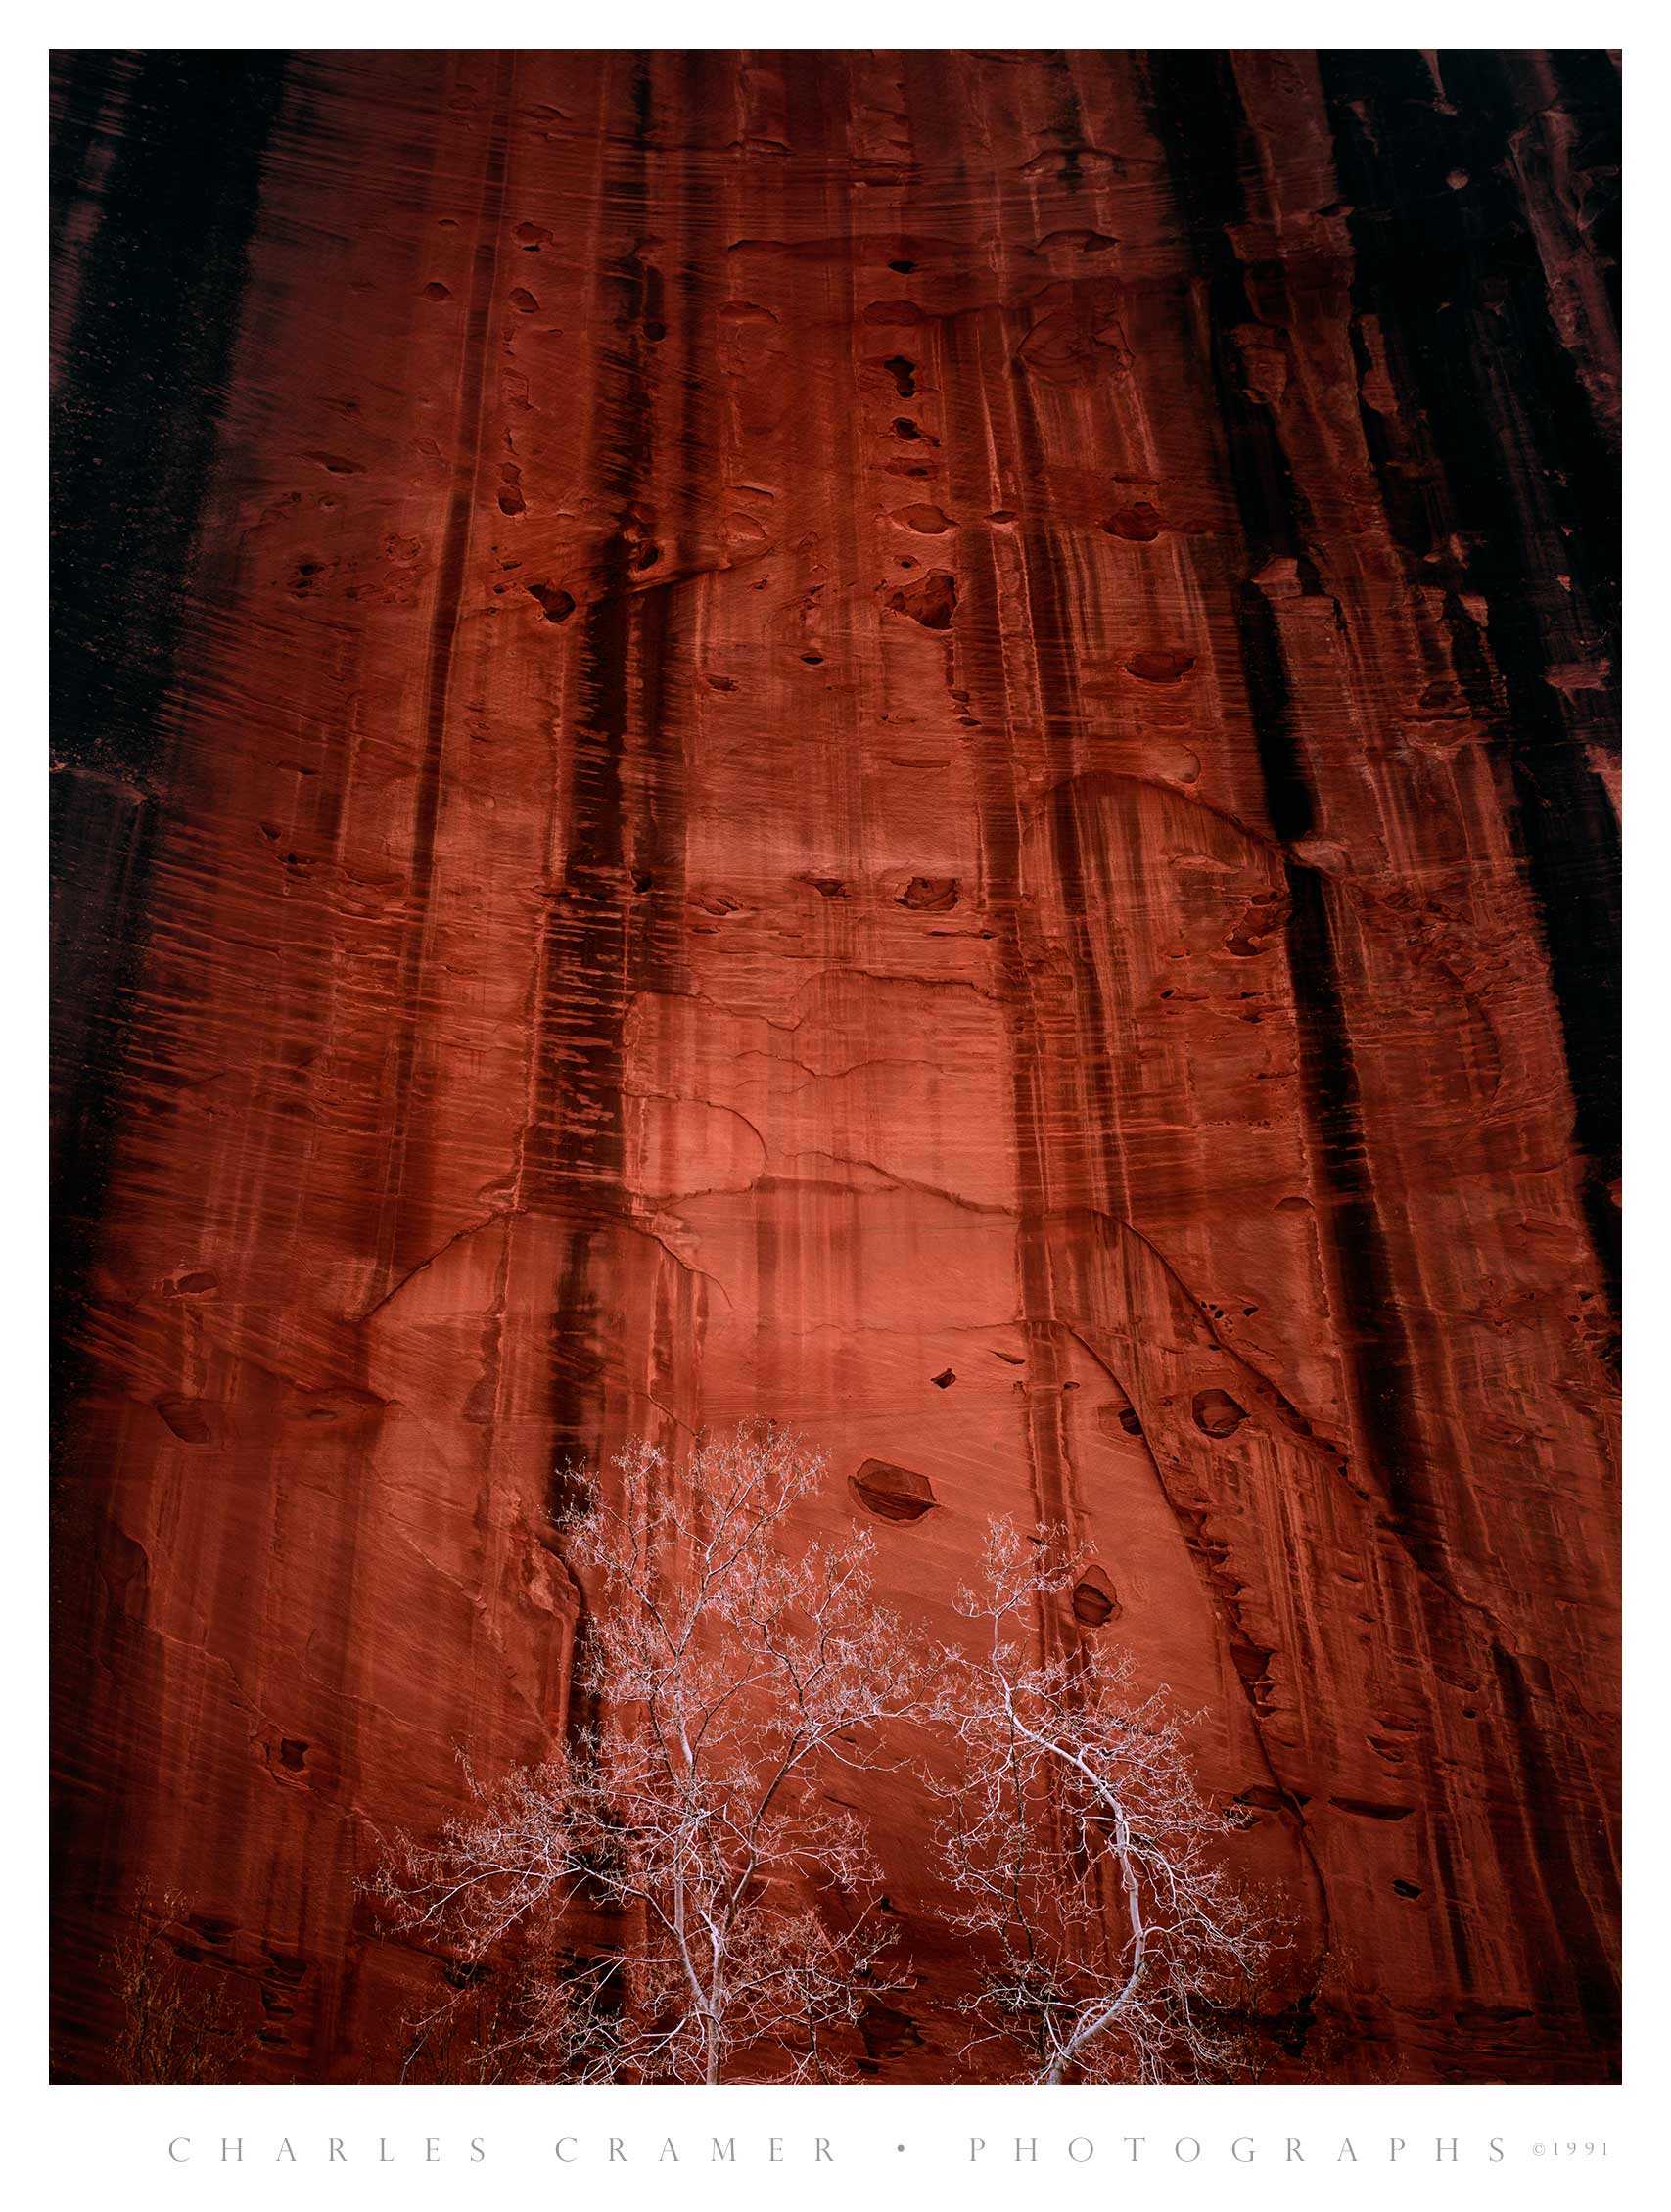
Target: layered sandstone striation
pixel 923 743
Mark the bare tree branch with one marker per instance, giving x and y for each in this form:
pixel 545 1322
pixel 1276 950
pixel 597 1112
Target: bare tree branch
pixel 178 2018
pixel 1089 1867
pixel 728 1666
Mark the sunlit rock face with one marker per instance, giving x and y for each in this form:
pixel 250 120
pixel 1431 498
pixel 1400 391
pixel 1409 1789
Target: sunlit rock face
pixel 923 743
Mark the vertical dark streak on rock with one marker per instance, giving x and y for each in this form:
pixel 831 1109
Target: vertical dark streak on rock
pixel 1584 1956
pixel 576 1155
pixel 130 470
pixel 130 473
pixel 998 813
pixel 967 373
pixel 82 82
pixel 1361 1272
pixel 1067 123
pixel 1589 83
pixel 1455 280
pixel 397 1218
pixel 1461 299
pixel 1356 1247
pixel 1199 118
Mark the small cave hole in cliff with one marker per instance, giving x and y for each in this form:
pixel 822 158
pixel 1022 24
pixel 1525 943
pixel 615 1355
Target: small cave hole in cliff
pixel 1118 1417
pixel 892 1494
pixel 185 1417
pixel 556 604
pixel 1217 1413
pixel 1138 522
pixel 933 601
pixel 930 894
pixel 1162 665
pixel 944 1379
pixel 1094 1601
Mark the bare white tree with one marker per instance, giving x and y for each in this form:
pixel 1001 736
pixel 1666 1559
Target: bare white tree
pixel 1088 1868
pixel 728 1672
pixel 177 2018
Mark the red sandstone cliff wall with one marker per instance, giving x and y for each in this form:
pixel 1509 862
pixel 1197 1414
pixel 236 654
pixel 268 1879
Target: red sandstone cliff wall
pixel 915 742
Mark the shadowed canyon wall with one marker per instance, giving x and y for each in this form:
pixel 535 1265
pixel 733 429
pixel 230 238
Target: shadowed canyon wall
pixel 923 743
